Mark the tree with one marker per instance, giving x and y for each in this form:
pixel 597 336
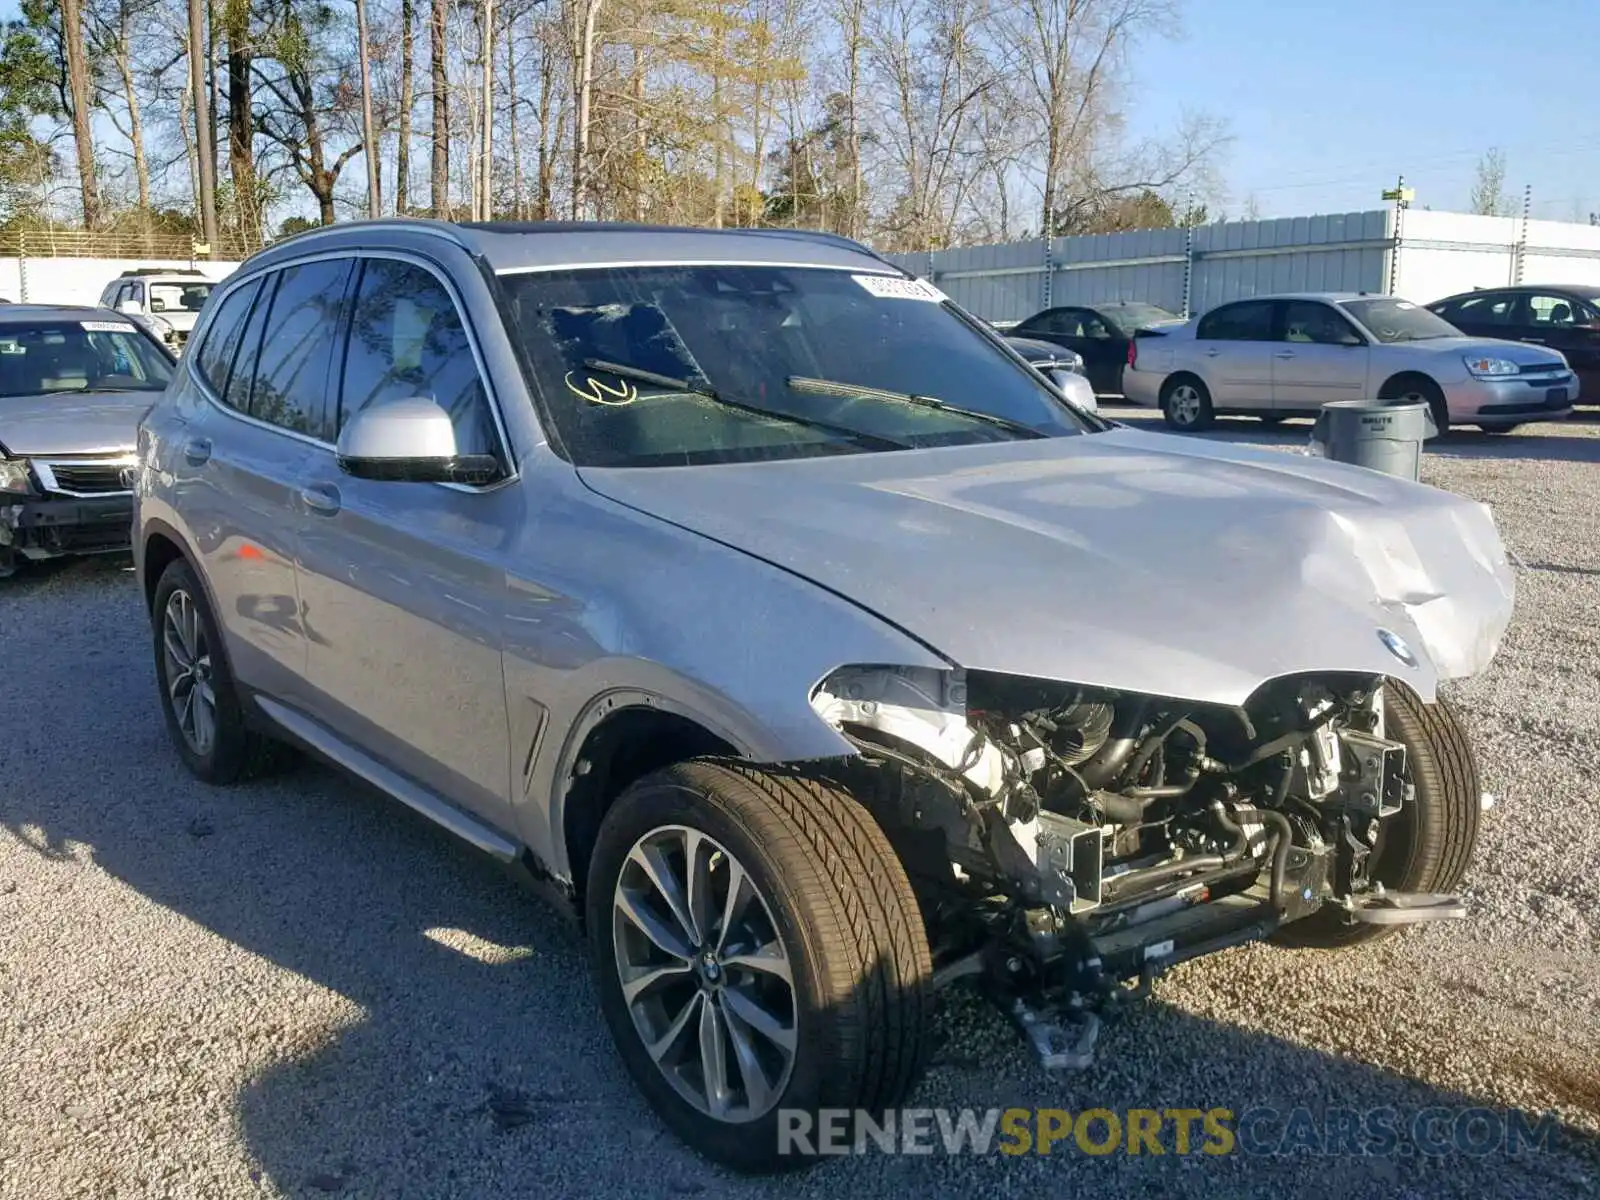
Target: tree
pixel 27 93
pixel 402 158
pixel 77 67
pixel 205 150
pixel 1488 197
pixel 439 102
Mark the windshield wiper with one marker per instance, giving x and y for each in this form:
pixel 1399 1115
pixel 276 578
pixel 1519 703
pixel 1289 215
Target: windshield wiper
pixel 829 387
pixel 641 375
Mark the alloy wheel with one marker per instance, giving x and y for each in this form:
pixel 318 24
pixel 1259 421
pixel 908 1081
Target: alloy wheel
pixel 186 658
pixel 1184 404
pixel 705 973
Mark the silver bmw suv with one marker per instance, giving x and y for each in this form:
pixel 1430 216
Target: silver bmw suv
pixel 781 623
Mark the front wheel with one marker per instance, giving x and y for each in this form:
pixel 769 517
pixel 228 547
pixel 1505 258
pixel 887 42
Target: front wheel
pixel 759 956
pixel 1426 846
pixel 199 698
pixel 1186 404
pixel 1419 389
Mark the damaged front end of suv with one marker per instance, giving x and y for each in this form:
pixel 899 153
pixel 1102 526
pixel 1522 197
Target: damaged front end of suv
pixel 1069 844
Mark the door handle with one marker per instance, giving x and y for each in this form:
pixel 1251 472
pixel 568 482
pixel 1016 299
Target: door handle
pixel 320 498
pixel 1284 354
pixel 1539 340
pixel 1213 352
pixel 197 450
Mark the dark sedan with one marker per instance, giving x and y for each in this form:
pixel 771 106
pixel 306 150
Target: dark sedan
pixel 1564 317
pixel 1098 332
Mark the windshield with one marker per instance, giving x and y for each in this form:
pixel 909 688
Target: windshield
pixel 663 366
pixel 1391 320
pixel 79 356
pixel 1128 317
pixel 179 297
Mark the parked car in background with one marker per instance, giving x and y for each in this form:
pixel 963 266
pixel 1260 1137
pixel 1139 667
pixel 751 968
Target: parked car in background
pixel 759 606
pixel 1100 333
pixel 73 384
pixel 170 300
pixel 1062 367
pixel 1565 317
pixel 1284 356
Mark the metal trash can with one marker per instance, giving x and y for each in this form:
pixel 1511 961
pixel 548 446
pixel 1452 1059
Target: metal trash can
pixel 1381 435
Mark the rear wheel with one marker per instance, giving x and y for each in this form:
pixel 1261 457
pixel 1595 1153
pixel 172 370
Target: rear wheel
pixel 1186 404
pixel 757 948
pixel 1426 846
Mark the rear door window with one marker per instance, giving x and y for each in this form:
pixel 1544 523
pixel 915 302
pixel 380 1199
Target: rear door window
pixel 243 375
pixel 292 372
pixel 1250 321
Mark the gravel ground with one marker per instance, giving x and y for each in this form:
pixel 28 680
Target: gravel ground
pixel 298 989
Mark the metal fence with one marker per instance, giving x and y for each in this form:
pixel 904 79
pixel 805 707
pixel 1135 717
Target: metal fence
pixel 1184 270
pixel 116 243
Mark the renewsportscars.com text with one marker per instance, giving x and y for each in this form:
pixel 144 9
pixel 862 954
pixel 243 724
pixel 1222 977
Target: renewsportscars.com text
pixel 1335 1132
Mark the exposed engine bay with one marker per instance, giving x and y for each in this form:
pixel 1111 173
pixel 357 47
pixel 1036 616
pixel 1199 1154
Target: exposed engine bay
pixel 1070 844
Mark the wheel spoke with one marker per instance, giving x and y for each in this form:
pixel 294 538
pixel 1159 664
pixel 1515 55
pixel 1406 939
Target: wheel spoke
pixel 769 960
pixel 667 885
pixel 697 855
pixel 634 988
pixel 658 931
pixel 733 904
pixel 173 645
pixel 185 714
pixel 714 1057
pixel 741 1005
pixel 674 1032
pixel 757 1087
pixel 205 709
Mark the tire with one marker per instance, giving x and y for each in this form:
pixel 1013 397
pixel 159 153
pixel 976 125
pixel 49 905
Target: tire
pixel 1427 846
pixel 833 900
pixel 1419 389
pixel 232 752
pixel 1186 404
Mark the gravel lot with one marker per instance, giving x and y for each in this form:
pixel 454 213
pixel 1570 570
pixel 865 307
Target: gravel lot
pixel 299 989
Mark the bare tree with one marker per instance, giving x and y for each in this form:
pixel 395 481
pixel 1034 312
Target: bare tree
pixel 402 158
pixel 439 101
pixel 205 151
pixel 78 89
pixel 585 15
pixel 1488 197
pixel 369 137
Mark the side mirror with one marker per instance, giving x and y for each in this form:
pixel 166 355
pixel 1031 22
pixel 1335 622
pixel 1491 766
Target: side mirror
pixel 410 441
pixel 1352 339
pixel 128 306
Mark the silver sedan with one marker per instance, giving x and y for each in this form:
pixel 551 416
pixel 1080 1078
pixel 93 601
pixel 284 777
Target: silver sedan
pixel 1283 356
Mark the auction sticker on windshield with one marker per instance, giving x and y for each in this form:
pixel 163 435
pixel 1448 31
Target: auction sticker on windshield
pixel 106 327
pixel 893 287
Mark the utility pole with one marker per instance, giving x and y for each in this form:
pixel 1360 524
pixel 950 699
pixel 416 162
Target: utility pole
pixel 204 150
pixel 369 141
pixel 1402 197
pixel 486 153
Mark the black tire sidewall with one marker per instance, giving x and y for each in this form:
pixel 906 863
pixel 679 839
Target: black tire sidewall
pixel 229 746
pixel 748 1146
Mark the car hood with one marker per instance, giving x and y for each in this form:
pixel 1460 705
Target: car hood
pixel 1128 560
pixel 72 423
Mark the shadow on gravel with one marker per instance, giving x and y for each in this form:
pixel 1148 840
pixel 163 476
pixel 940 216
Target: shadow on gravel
pixel 477 1064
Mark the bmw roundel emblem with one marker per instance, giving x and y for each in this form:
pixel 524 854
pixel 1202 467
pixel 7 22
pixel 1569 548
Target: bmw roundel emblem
pixel 1396 645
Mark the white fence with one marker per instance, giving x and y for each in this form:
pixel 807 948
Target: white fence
pixel 81 280
pixel 1191 270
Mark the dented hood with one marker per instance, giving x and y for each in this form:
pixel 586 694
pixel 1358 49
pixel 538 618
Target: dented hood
pixel 1130 560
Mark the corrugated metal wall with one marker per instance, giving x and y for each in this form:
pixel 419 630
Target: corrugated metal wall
pixel 1342 252
pixel 1439 253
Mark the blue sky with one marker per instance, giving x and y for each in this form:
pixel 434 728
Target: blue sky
pixel 1328 102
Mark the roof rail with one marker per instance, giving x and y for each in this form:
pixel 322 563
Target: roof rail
pixel 444 229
